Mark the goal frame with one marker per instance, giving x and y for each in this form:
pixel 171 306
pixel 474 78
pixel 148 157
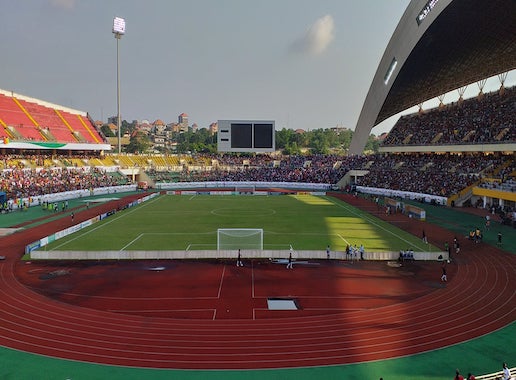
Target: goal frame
pixel 240 233
pixel 242 190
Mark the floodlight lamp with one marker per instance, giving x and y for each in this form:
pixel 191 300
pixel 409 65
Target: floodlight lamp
pixel 118 25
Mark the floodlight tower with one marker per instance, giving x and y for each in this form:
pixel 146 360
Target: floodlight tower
pixel 118 31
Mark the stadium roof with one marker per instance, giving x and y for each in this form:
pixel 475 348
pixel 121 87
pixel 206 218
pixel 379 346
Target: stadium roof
pixel 438 46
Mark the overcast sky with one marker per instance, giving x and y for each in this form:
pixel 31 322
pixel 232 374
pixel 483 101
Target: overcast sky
pixel 303 63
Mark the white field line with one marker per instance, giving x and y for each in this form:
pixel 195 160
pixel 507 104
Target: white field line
pixel 131 242
pixel 107 223
pixel 144 234
pixel 340 236
pixel 373 222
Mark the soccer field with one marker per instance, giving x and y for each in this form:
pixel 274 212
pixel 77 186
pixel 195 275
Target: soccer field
pixel 190 223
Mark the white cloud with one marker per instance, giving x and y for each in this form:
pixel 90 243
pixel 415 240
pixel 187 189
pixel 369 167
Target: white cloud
pixel 63 4
pixel 317 38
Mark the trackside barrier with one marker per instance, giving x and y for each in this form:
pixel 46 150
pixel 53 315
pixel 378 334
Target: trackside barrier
pixel 402 194
pixel 228 184
pixel 74 194
pixel 496 375
pixel 222 254
pixel 38 244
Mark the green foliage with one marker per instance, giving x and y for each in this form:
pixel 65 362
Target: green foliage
pixel 317 141
pixel 107 131
pixel 139 143
pixel 372 144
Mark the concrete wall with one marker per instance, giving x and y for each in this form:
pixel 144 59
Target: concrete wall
pixel 223 254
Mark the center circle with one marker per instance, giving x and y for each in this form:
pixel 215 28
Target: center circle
pixel 242 212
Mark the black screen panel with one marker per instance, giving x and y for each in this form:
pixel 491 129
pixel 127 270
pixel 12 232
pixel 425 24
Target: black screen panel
pixel 263 135
pixel 241 135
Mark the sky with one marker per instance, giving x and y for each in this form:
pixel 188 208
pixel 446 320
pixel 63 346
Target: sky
pixel 304 63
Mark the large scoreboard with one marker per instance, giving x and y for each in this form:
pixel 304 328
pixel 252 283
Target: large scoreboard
pixel 246 136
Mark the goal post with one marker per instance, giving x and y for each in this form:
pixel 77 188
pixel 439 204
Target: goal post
pixel 247 189
pixel 240 238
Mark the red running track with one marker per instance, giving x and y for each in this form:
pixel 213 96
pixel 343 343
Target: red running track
pixel 478 300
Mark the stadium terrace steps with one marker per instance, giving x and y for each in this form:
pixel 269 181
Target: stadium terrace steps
pixel 25 120
pixel 30 132
pixel 5 132
pixel 83 126
pixel 11 114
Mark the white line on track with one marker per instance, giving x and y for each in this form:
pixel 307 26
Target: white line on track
pixel 221 281
pixel 156 310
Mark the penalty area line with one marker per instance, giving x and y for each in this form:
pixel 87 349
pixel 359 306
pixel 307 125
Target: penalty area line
pixel 131 242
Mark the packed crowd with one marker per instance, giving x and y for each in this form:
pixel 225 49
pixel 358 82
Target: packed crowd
pixel 308 169
pixel 434 174
pixel 24 183
pixel 491 119
pixel 441 175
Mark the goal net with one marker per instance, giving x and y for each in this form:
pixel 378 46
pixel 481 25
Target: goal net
pixel 250 189
pixel 240 238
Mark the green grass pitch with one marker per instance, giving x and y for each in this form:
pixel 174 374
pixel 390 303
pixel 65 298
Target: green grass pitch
pixel 306 222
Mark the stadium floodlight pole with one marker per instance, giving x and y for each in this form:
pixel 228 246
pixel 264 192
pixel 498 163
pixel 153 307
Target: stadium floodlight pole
pixel 118 31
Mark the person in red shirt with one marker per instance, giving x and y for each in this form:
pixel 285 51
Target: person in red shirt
pixel 458 376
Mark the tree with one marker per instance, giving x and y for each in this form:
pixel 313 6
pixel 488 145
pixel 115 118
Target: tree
pixel 372 144
pixel 292 149
pixel 139 143
pixel 107 131
pixel 284 138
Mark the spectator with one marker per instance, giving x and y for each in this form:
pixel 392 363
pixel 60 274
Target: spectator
pixel 458 376
pixel 506 373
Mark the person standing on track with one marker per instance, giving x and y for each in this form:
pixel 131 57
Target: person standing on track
pixel 456 245
pixel 290 265
pixel 328 252
pixel 239 260
pixel 443 267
